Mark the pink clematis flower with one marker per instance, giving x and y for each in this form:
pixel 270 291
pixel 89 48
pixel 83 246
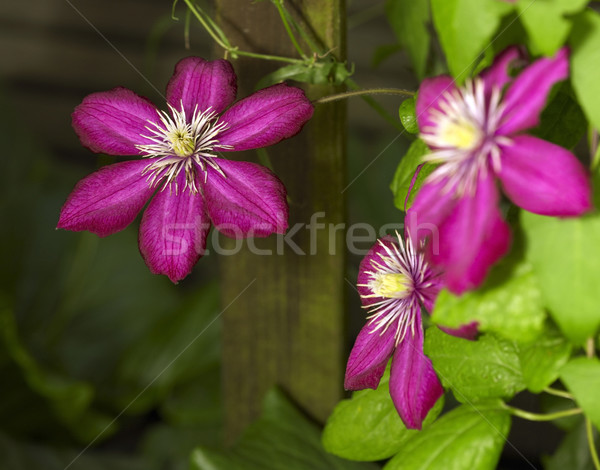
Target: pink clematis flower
pixel 191 185
pixel 475 133
pixel 394 282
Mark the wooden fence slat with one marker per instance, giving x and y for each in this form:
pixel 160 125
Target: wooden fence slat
pixel 288 327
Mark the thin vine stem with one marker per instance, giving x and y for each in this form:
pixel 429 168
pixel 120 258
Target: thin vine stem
pixel 377 107
pixel 206 26
pixel 289 60
pixel 542 417
pixel 590 347
pixel 590 438
pixel 558 393
pixel 222 41
pixel 288 29
pixel 368 91
pixel 315 49
pixel 590 352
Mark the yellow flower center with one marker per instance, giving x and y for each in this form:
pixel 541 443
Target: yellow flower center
pixel 182 142
pixel 460 134
pixel 390 285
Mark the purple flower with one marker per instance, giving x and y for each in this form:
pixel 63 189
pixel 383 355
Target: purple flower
pixel 394 281
pixel 192 186
pixel 475 134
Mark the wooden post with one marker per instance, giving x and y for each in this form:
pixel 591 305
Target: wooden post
pixel 287 328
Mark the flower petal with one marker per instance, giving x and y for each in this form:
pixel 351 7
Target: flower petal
pixel 432 93
pixel 468 331
pixel 544 178
pixel 471 237
pixel 249 201
pixel 108 200
pixel 202 83
pixel 527 95
pixel 368 358
pixel 432 205
pixel 114 121
pixel 173 232
pixel 498 74
pixel 414 386
pixel 265 118
pixel 374 255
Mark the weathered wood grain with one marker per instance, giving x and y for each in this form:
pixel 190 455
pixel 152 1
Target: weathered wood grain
pixel 288 328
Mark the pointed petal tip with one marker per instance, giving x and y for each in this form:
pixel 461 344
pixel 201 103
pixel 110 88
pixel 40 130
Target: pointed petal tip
pixel 202 83
pixel 265 118
pixel 498 74
pixel 172 236
pixel 528 93
pixel 414 385
pixel 113 122
pixel 468 331
pixel 106 201
pixel 249 202
pixel 545 178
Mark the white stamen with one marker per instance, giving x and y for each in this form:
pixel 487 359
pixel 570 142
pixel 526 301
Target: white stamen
pixel 181 145
pixel 399 277
pixel 463 136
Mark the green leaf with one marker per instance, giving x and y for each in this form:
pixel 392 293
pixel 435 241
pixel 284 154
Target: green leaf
pixel 550 404
pixel 15 455
pixel 573 452
pixel 486 368
pixel 382 53
pixel 179 347
pixel 409 21
pixel 401 184
pixel 197 402
pixel 565 254
pixel 193 416
pixel 170 447
pixel 323 72
pixel 546 22
pixel 509 303
pixel 585 63
pixel 562 122
pixel 408 115
pixel 511 32
pixel 541 359
pixel 470 436
pixel 367 427
pixel 69 400
pixel 465 29
pixel 281 438
pixel 581 376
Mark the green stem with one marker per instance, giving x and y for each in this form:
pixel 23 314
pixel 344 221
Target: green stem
pixel 222 41
pixel 377 107
pixel 593 144
pixel 186 29
pixel 289 60
pixel 558 393
pixel 315 49
pixel 369 91
pixel 542 417
pixel 288 29
pixel 264 159
pixel 590 347
pixel 590 352
pixel 590 438
pixel 206 26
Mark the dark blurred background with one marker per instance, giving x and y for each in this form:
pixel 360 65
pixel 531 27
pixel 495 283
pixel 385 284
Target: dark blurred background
pixel 87 332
